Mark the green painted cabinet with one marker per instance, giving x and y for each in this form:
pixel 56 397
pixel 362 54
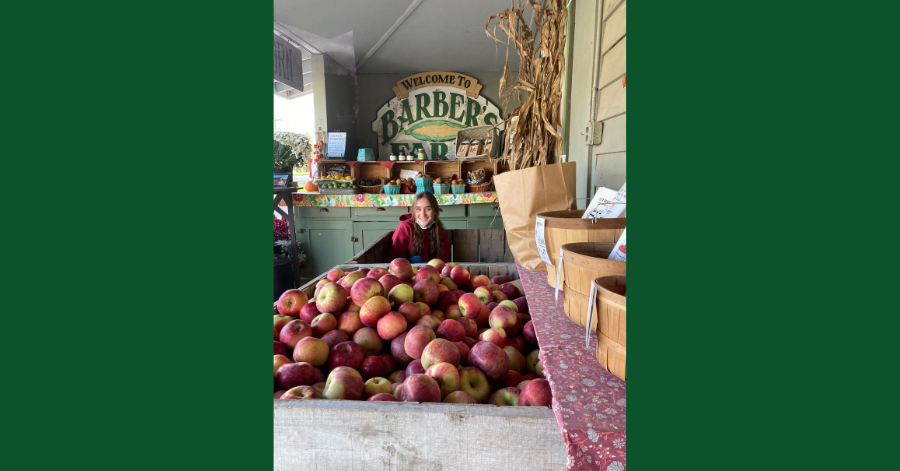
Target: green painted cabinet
pixel 326 243
pixel 367 233
pixel 331 236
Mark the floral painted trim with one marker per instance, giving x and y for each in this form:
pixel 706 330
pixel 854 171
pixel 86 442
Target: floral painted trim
pixel 366 200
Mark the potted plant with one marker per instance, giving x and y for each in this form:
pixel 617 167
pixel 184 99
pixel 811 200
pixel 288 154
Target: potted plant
pixel 283 240
pixel 291 150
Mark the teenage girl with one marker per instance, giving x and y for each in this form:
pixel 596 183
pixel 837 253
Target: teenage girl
pixel 421 236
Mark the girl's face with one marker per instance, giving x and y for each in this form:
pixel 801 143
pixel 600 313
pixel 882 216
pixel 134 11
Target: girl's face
pixel 424 213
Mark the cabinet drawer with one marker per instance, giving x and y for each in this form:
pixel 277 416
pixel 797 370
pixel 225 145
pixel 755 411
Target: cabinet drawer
pixel 453 211
pixel 484 209
pixel 454 224
pixel 317 212
pixel 392 212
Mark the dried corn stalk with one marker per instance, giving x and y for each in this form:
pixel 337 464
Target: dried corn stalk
pixel 536 140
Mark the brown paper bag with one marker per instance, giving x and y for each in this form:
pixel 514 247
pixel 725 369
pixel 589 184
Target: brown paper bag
pixel 522 195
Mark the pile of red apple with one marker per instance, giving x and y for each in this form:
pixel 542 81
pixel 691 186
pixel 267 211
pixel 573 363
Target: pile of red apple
pixel 432 334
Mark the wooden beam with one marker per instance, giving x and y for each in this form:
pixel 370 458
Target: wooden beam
pixel 388 33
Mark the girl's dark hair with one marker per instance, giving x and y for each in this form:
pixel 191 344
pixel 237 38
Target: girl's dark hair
pixel 435 242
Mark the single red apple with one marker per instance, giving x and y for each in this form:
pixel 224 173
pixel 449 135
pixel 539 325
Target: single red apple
pixel 490 359
pixel 291 301
pixel 345 354
pixel 335 337
pixel 536 393
pixel 309 312
pixel 372 367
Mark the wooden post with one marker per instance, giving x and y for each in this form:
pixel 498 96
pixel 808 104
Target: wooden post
pixel 284 194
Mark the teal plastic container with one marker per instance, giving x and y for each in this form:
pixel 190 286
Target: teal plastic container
pixel 459 189
pixel 442 188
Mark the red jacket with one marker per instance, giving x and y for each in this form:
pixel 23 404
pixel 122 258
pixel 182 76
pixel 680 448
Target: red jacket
pixel 403 240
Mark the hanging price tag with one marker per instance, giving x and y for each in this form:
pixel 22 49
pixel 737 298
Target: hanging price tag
pixel 618 252
pixel 539 240
pixel 590 315
pixel 558 271
pixel 614 209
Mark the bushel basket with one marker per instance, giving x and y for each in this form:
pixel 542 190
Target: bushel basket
pixel 567 227
pixel 582 263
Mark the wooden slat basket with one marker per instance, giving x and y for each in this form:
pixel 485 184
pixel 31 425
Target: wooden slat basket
pixel 481 132
pixel 610 309
pixel 582 263
pixel 567 227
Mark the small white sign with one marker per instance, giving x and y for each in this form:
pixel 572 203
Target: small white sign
pixel 408 173
pixel 618 252
pixel 337 144
pixel 590 316
pixel 614 209
pixel 558 271
pixel 539 240
pixel 602 197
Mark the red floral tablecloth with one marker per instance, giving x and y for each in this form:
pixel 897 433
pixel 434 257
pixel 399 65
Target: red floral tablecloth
pixel 588 401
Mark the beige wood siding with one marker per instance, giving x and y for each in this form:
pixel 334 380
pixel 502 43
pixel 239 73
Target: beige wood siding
pixel 612 6
pixel 608 158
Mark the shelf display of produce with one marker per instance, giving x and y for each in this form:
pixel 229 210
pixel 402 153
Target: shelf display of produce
pixel 385 200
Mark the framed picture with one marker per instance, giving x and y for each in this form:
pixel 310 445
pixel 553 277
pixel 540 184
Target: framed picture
pixel 282 179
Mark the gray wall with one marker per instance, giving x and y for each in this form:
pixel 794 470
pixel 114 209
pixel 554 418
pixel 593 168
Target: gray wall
pixel 340 96
pixel 374 90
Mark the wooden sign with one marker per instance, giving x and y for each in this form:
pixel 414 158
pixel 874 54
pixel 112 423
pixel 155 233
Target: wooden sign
pixel 288 65
pixel 447 79
pixel 428 111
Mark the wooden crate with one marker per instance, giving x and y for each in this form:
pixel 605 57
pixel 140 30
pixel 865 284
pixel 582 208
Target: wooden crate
pixel 370 170
pixel 325 165
pixel 501 165
pixel 398 166
pixel 358 435
pixel 387 433
pixel 467 246
pixel 481 132
pixel 442 169
pixel 466 165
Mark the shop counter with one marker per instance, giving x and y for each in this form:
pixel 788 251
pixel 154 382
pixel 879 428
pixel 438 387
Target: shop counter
pixel 588 400
pixel 331 229
pixel 366 200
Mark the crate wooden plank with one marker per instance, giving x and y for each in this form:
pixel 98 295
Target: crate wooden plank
pixel 356 435
pixel 465 245
pixel 491 243
pixel 473 268
pixel 508 255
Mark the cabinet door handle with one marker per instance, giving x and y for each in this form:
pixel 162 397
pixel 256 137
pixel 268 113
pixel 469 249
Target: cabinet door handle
pixel 323 210
pixel 380 209
pixel 354 239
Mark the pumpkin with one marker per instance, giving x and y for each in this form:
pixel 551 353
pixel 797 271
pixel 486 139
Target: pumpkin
pixel 310 186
